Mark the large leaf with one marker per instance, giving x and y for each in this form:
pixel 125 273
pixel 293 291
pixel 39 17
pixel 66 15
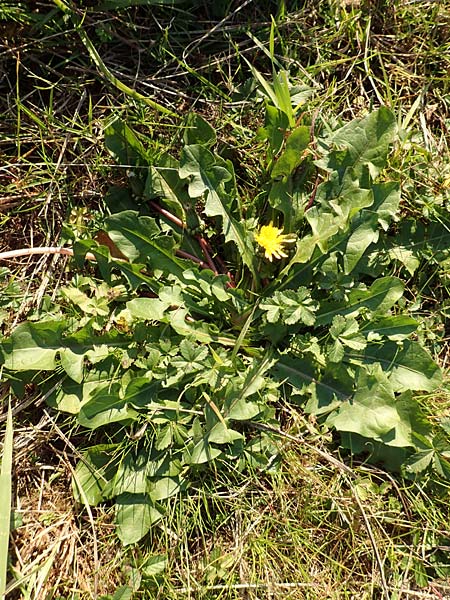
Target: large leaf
pixel 362 142
pixel 104 407
pixel 375 413
pixel 93 473
pixel 135 514
pixel 410 367
pixel 206 177
pixel 379 298
pixel 140 240
pixel 33 346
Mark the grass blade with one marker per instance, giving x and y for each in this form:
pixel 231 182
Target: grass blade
pixel 5 500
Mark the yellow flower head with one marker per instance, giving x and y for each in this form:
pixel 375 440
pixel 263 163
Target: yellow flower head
pixel 272 239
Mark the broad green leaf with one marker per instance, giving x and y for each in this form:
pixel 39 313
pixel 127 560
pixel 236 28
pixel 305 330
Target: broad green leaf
pixel 140 239
pixel 299 372
pixel 147 309
pixel 154 565
pixel 198 131
pixel 141 392
pixel 33 346
pixel 379 298
pixel 221 434
pixel 93 473
pixel 205 174
pixel 360 239
pixel 419 461
pixel 202 452
pixel 135 515
pixel 124 592
pixel 104 407
pixel 410 367
pixel 183 324
pixel 131 477
pixel 292 155
pixel 125 146
pixel 362 142
pixel 206 177
pixel 164 488
pixel 375 413
pixel 72 363
pixel 386 201
pixel 394 328
pixel 242 410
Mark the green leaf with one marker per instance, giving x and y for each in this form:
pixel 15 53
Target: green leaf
pixel 124 592
pixel 164 182
pixel 140 239
pixel 290 307
pixel 125 146
pixel 198 131
pixel 221 434
pixel 202 452
pixel 242 410
pixel 386 201
pixel 362 142
pixel 379 298
pixel 206 177
pixel 105 406
pixel 148 309
pixel 292 156
pixel 394 328
pixel 410 367
pixel 131 477
pixel 418 462
pixel 135 515
pixel 93 473
pixel 33 346
pixel 276 124
pixel 375 413
pixel 154 565
pixel 164 488
pixel 360 239
pixel 72 363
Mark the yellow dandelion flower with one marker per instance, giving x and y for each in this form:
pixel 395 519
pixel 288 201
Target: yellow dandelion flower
pixel 272 239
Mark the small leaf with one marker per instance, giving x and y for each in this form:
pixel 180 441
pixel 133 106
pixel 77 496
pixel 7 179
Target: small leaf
pixel 154 565
pixel 198 131
pixel 418 462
